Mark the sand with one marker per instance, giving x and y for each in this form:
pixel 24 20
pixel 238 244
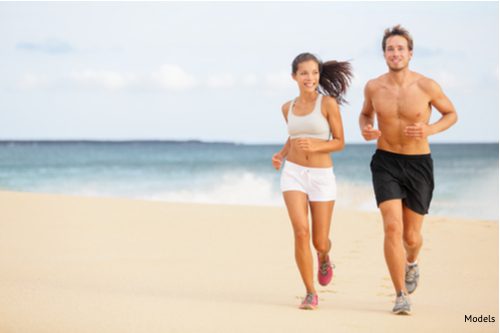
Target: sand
pixel 76 264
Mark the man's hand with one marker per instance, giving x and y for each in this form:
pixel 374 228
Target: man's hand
pixel 370 133
pixel 277 161
pixel 418 131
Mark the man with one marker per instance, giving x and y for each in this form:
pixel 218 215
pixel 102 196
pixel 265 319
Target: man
pixel 402 169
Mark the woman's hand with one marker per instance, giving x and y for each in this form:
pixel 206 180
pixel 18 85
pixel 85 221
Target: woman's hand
pixel 277 160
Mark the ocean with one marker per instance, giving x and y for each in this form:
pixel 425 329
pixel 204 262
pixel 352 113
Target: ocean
pixel 466 175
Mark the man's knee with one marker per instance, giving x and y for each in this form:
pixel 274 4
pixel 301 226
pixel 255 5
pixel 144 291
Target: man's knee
pixel 412 238
pixel 393 228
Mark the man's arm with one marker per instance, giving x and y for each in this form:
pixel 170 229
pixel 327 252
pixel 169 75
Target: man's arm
pixel 444 106
pixel 367 116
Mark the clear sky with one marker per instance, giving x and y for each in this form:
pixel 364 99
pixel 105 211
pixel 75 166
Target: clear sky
pixel 221 71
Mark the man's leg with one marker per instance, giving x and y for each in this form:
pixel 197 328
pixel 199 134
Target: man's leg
pixel 394 251
pixel 412 235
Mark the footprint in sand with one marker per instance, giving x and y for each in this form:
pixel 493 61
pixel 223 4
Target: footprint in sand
pixel 328 291
pixel 385 294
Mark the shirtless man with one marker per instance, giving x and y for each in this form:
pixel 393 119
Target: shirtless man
pixel 402 168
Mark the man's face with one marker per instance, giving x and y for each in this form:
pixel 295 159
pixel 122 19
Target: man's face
pixel 397 55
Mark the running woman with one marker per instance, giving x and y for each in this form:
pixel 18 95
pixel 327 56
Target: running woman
pixel 307 178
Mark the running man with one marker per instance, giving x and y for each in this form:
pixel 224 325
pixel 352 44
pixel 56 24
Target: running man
pixel 402 167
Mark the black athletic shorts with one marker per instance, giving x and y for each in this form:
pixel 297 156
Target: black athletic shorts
pixel 407 177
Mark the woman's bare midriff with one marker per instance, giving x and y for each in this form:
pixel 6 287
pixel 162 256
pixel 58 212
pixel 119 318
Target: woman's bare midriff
pixel 307 159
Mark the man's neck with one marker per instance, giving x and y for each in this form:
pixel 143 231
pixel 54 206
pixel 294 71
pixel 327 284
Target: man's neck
pixel 399 77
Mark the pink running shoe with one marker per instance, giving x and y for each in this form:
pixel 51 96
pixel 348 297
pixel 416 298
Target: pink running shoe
pixel 325 271
pixel 310 302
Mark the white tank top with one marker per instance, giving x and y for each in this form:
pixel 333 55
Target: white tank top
pixel 312 125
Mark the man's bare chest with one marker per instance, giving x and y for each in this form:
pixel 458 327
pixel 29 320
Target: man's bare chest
pixel 402 103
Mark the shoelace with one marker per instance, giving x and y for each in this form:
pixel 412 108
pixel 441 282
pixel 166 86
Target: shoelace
pixel 309 298
pixel 411 275
pixel 401 299
pixel 324 267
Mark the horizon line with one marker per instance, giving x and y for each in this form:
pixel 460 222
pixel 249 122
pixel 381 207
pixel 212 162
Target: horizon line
pixel 3 141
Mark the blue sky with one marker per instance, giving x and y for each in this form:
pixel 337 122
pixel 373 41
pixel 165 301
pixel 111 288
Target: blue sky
pixel 220 71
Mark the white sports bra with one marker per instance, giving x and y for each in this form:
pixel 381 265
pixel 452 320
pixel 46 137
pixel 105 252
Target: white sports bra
pixel 312 125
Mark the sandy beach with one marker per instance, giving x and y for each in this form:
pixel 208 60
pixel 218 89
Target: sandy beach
pixel 77 264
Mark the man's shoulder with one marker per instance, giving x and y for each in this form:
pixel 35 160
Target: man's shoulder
pixel 375 83
pixel 378 79
pixel 425 83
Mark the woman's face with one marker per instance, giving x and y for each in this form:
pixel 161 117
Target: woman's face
pixel 307 76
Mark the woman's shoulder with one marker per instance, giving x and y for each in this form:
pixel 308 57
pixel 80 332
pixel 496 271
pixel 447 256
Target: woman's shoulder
pixel 285 107
pixel 329 103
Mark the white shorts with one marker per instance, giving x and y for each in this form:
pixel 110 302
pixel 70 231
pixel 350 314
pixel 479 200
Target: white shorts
pixel 318 183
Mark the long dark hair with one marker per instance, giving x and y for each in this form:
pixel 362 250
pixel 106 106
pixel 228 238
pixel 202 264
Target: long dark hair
pixel 334 77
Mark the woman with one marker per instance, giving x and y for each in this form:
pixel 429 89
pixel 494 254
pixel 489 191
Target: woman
pixel 307 179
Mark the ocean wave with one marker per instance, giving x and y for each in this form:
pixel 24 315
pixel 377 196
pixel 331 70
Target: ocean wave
pixel 240 189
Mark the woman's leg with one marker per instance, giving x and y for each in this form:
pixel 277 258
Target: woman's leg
pixel 296 204
pixel 321 213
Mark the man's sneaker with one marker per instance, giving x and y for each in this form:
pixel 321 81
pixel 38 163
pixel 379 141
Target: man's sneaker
pixel 402 304
pixel 310 302
pixel 411 277
pixel 325 271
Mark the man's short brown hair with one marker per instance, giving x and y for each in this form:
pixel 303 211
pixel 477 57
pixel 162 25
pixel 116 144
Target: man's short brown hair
pixel 397 30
